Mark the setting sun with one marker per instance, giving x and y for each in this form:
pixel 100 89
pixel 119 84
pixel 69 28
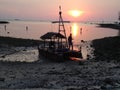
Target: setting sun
pixel 75 13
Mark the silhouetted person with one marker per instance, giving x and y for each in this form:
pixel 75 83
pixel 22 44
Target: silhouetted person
pixel 5 27
pixel 26 28
pixel 70 41
pixel 80 31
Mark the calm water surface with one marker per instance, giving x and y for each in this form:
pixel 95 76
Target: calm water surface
pixel 34 29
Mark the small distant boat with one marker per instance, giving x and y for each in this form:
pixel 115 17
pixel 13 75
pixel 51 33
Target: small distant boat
pixel 58 21
pixel 4 22
pixel 55 46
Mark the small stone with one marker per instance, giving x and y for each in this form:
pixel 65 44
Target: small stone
pixel 81 62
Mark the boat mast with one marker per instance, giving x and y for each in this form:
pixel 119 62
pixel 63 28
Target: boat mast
pixel 61 25
pixel 119 23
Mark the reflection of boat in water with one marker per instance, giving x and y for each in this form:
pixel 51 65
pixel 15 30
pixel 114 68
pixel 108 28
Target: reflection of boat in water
pixel 55 46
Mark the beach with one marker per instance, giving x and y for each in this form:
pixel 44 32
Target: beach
pixel 35 41
pixel 99 73
pixel 67 75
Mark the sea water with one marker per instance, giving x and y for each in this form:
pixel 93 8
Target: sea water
pixel 35 29
pixel 81 31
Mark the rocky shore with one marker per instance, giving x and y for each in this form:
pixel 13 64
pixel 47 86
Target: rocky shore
pixel 100 73
pixel 107 49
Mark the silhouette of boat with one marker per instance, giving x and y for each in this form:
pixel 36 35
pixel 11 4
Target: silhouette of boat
pixel 58 21
pixel 55 45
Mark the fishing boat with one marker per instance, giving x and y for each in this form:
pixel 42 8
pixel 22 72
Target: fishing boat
pixel 55 45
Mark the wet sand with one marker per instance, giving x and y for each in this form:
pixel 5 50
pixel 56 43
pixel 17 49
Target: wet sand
pixel 94 74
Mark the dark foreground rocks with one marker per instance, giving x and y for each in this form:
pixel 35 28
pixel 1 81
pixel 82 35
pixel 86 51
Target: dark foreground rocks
pixel 107 49
pixel 67 76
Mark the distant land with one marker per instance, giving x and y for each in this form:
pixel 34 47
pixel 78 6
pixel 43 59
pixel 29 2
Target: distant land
pixel 113 26
pixel 19 41
pixel 4 22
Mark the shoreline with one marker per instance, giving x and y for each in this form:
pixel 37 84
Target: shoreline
pixel 113 26
pixel 99 73
pixel 4 22
pixel 19 41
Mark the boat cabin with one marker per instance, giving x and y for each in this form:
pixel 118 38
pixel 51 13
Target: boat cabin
pixel 53 40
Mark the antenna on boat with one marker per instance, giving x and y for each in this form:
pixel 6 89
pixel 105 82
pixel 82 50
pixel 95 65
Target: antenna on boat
pixel 61 25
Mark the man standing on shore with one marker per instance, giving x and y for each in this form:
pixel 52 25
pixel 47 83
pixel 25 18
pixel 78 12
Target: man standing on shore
pixel 70 41
pixel 5 27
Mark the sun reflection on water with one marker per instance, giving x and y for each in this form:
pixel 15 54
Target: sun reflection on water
pixel 74 29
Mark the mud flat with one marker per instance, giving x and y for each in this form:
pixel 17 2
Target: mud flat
pixel 100 73
pixel 10 41
pixel 107 49
pixel 68 75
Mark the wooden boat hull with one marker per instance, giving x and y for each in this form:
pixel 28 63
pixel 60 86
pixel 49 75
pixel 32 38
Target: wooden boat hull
pixel 51 55
pixel 59 57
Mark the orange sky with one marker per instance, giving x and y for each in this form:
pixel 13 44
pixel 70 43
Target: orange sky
pixel 94 10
